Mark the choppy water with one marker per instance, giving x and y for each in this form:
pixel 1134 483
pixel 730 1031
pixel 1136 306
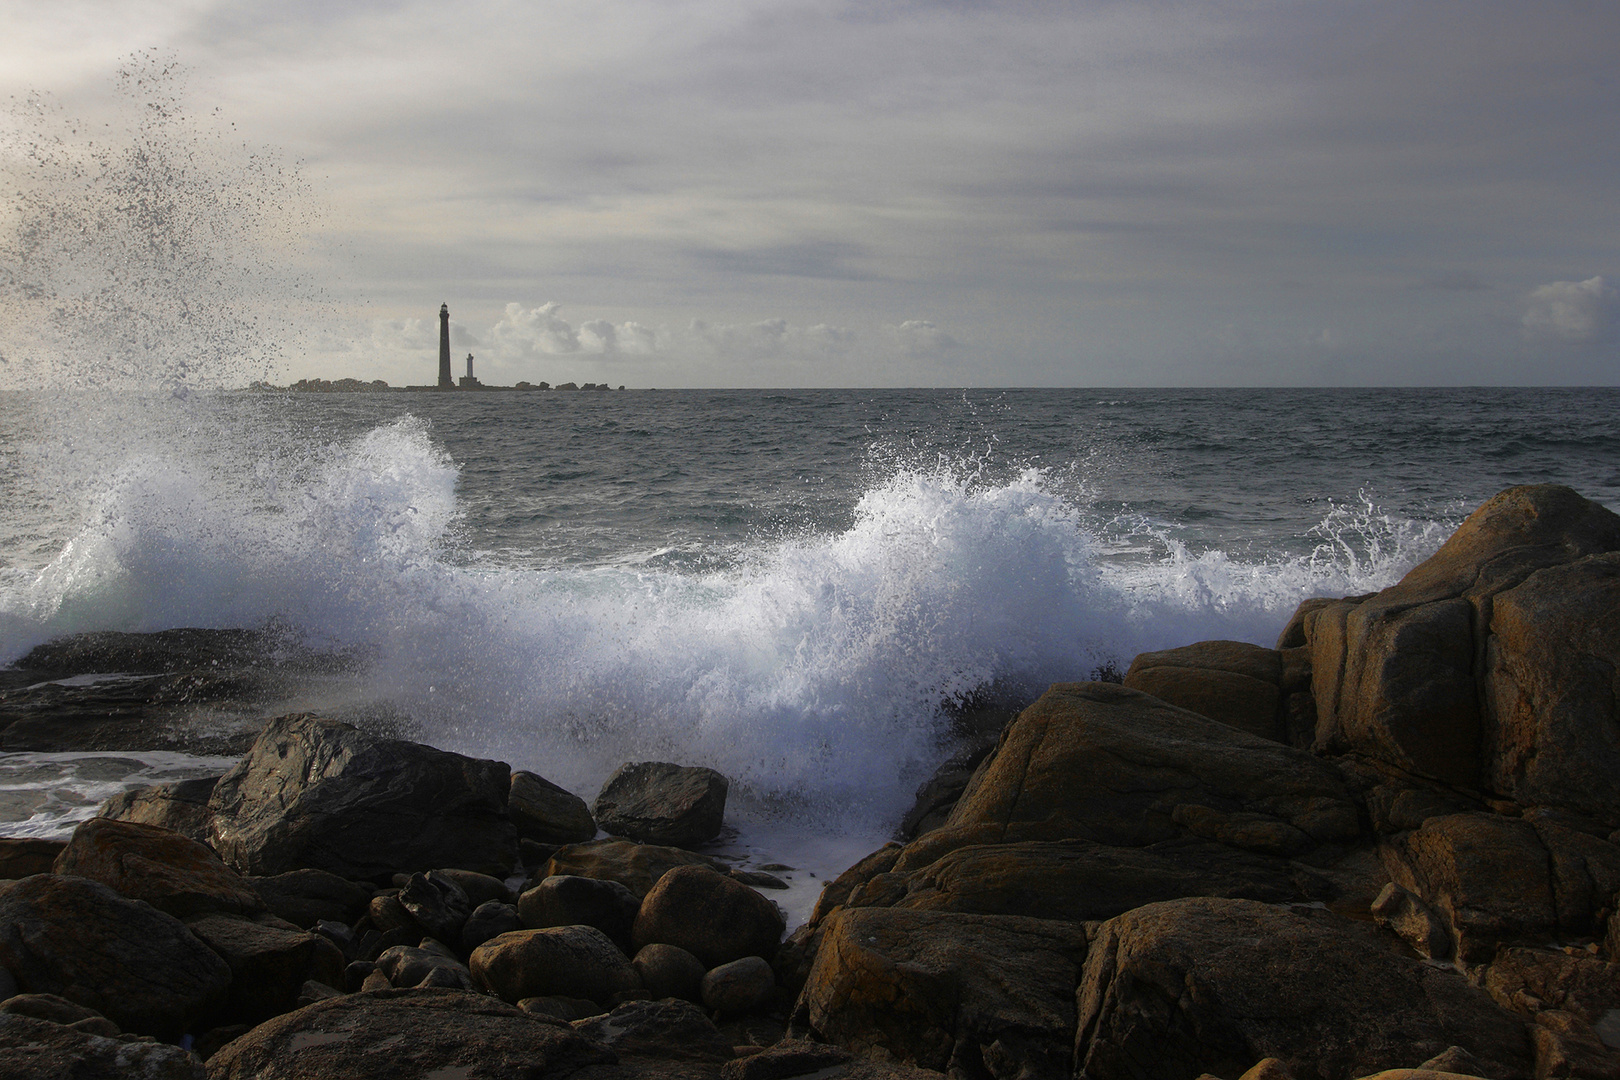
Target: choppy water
pixel 787 586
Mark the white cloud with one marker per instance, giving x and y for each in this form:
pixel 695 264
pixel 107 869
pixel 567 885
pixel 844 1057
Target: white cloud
pixel 534 332
pixel 1573 311
pixel 772 339
pixel 921 338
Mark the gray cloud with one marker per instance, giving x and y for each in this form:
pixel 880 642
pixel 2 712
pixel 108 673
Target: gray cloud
pixel 1571 311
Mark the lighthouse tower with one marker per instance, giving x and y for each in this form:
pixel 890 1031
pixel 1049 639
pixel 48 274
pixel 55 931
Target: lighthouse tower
pixel 445 380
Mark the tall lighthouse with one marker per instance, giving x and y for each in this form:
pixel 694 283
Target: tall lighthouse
pixel 445 381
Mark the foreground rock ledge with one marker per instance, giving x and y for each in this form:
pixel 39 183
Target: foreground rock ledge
pixel 388 1034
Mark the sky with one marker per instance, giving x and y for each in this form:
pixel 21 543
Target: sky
pixel 886 193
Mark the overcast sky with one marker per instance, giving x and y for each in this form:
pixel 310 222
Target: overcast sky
pixel 738 193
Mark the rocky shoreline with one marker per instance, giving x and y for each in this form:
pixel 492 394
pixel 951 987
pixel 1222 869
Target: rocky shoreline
pixel 1388 847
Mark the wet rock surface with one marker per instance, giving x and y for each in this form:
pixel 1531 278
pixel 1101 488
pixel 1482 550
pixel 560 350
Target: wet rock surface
pixel 663 803
pixel 394 1033
pixel 321 794
pixel 1200 985
pixel 137 966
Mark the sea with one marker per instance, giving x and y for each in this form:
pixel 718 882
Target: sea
pixel 799 588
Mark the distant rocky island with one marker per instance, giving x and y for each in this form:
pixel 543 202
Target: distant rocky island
pixel 378 386
pixel 446 380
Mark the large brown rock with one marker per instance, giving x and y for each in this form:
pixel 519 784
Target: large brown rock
pixel 25 856
pixel 558 961
pixel 322 794
pixel 1586 984
pixel 33 1049
pixel 660 802
pixel 1194 986
pixel 1231 681
pixel 1100 762
pixel 180 806
pixel 711 916
pixel 1552 666
pixel 1395 676
pixel 145 862
pixel 305 897
pixel 268 964
pixel 1488 876
pixel 137 966
pixel 635 866
pixel 975 994
pixel 1076 880
pixel 424 1032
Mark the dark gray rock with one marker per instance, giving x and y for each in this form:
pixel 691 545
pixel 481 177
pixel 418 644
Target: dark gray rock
pixel 668 971
pixel 305 897
pixel 489 920
pixel 742 986
pixel 322 794
pixel 268 965
pixel 135 965
pixel 663 803
pixel 33 1049
pixel 660 1030
pixel 406 966
pixel 714 918
pixel 437 904
pixel 546 813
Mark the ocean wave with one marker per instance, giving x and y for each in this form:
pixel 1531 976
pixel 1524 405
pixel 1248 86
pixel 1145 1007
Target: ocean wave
pixel 816 670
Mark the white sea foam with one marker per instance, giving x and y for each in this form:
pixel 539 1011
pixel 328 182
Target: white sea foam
pixel 813 670
pixel 46 795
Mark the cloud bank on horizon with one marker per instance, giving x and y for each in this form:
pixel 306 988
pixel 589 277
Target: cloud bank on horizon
pixel 781 192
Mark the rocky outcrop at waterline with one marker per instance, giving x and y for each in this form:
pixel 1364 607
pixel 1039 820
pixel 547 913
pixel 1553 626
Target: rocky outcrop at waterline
pixel 1388 847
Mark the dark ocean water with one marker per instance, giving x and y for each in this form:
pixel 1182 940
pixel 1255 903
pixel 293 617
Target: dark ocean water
pixel 785 585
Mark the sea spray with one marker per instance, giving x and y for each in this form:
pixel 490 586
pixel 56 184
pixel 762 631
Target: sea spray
pixel 817 669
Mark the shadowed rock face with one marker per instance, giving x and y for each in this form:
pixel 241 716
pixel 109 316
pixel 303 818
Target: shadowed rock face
pixel 1552 679
pixel 396 1033
pixel 39 1048
pixel 972 993
pixel 1199 985
pixel 1100 762
pixel 317 793
pixel 663 803
pixel 1402 675
pixel 135 965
